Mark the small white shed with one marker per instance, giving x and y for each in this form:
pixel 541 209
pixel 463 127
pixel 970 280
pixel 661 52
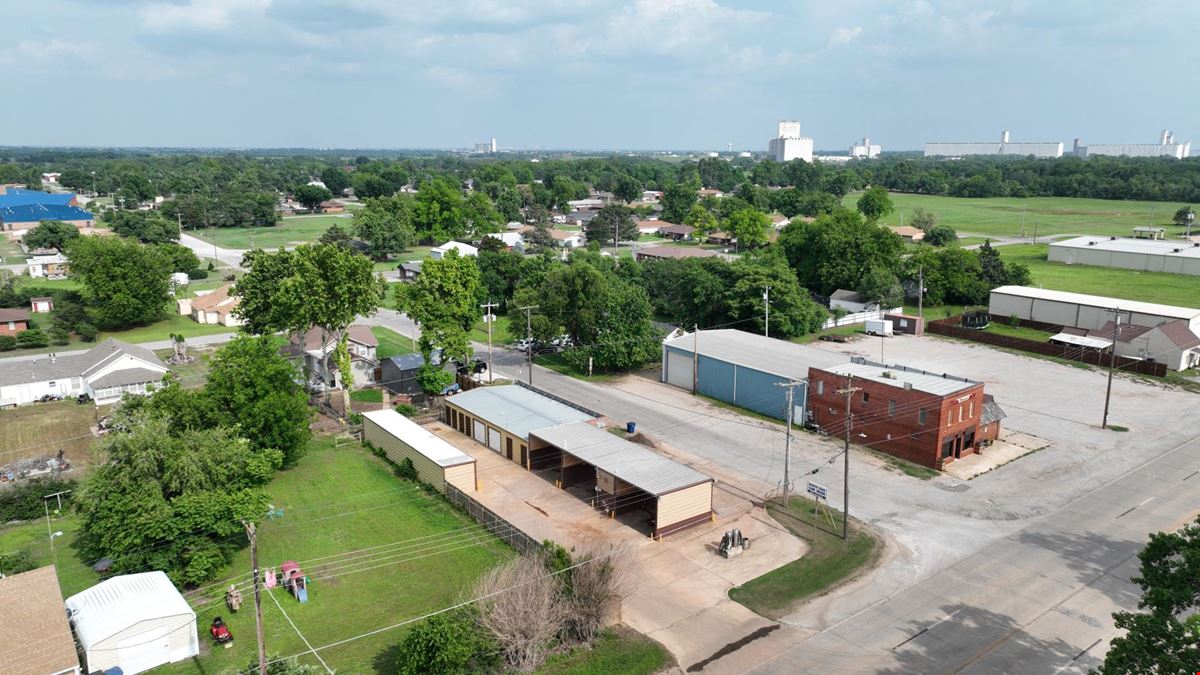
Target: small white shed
pixel 133 622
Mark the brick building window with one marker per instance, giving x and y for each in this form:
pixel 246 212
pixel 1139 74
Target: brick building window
pixel 866 397
pixel 820 387
pixel 971 410
pixel 960 412
pixel 921 417
pixel 891 408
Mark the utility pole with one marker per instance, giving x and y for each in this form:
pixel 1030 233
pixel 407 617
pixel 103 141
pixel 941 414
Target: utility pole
pixel 767 309
pixel 1112 364
pixel 695 357
pixel 921 292
pixel 487 318
pixel 528 309
pixel 258 625
pixel 787 443
pixel 848 392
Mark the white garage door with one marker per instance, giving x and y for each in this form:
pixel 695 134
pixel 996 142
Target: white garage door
pixel 144 651
pixel 494 439
pixel 679 369
pixel 480 432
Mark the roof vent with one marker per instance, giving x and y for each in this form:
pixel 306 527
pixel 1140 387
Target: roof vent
pixel 908 386
pixel 1176 250
pixel 1092 243
pixel 1112 238
pixel 889 375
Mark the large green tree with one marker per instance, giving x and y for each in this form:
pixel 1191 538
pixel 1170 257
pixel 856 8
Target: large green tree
pixel 148 227
pixel 386 225
pixel 311 196
pixel 124 282
pixel 792 313
pixel 612 222
pixel 750 227
pixel 51 234
pixel 336 179
pixel 952 275
pixel 439 215
pixel 253 387
pixel 367 185
pixel 874 204
pixel 444 301
pixel 836 250
pixel 172 499
pixel 702 219
pixel 574 296
pixel 625 338
pixel 677 200
pixel 1164 637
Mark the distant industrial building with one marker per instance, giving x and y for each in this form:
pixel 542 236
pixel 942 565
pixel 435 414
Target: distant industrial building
pixel 1143 255
pixel 742 368
pixel 1166 147
pixel 1161 333
pixel 1004 147
pixel 927 418
pixel 486 148
pixel 789 144
pixel 865 150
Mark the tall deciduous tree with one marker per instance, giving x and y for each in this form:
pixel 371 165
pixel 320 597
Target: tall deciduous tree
pixel 881 286
pixel 124 283
pixel 335 179
pixel 874 204
pixel 480 215
pixel 702 219
pixel 627 188
pixel 367 185
pixel 438 215
pixel 792 310
pixel 311 196
pixel 612 222
pixel 385 224
pixel 677 200
pixel 444 301
pixel 51 234
pixel 750 227
pixel 148 227
pixel 837 249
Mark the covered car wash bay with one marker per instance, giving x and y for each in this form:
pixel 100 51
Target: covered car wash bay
pixel 624 480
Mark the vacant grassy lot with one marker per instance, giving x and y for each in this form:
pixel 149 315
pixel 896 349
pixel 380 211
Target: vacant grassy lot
pixel 829 561
pixel 73 574
pixel 11 252
pixel 290 231
pixel 1161 287
pixel 1023 332
pixel 40 429
pixel 409 553
pixel 618 650
pixel 1002 216
pixel 391 343
pixel 558 364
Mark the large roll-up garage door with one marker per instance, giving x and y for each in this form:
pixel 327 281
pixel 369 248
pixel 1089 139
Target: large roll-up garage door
pixel 679 369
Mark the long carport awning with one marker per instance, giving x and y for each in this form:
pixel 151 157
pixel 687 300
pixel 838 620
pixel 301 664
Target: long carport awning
pixel 634 464
pixel 1081 341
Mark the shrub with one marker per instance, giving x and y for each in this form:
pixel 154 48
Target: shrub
pixel 32 339
pixel 197 274
pixel 407 470
pixel 406 409
pixel 448 643
pixel 1014 321
pixel 24 500
pixel 7 343
pixel 59 335
pixel 86 332
pixel 16 562
pixel 211 267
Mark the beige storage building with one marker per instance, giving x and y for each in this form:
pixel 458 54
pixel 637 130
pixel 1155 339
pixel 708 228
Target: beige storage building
pixel 437 462
pixel 625 477
pixel 501 417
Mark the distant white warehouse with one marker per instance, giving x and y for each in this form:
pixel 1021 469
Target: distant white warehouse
pixel 1161 333
pixel 1166 147
pixel 865 150
pixel 1004 147
pixel 1143 255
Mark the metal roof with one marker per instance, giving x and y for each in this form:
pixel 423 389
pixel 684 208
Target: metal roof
pixel 116 604
pixel 28 213
pixel 418 438
pixel 1179 249
pixel 938 384
pixel 635 464
pixel 515 409
pixel 1081 341
pixel 20 197
pixel 777 357
pixel 1099 301
pixel 34 624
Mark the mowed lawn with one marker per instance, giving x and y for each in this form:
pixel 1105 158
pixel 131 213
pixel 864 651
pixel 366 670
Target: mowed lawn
pixel 1002 216
pixel 290 231
pixel 1160 287
pixel 377 550
pixel 74 575
pixel 41 429
pixel 391 343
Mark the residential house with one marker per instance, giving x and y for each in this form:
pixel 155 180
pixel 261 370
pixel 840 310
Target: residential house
pixel 721 239
pixel 675 231
pixel 35 626
pixel 651 195
pixel 1171 342
pixel 49 266
pixel 565 239
pixel 331 206
pixel 649 227
pixel 464 250
pixel 590 204
pixel 515 241
pixel 318 347
pixel 709 192
pixel 13 321
pixel 105 372
pixel 850 301
pixel 212 307
pixel 910 234
pixel 408 271
pixel 576 218
pixel 664 252
pixel 41 305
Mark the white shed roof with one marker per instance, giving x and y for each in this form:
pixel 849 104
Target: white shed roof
pixel 463 249
pixel 115 604
pixel 635 464
pixel 1105 302
pixel 419 438
pixel 1082 341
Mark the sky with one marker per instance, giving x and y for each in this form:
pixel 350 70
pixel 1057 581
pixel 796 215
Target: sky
pixel 594 74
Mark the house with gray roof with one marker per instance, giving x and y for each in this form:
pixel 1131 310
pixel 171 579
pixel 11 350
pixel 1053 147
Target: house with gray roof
pixel 105 372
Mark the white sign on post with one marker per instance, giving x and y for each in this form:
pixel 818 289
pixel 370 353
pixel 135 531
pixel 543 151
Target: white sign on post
pixel 817 490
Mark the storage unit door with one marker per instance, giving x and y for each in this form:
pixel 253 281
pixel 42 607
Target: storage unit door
pixel 493 439
pixel 480 432
pixel 144 651
pixel 679 369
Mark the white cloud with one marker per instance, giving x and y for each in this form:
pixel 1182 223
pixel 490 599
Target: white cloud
pixel 42 53
pixel 198 14
pixel 843 36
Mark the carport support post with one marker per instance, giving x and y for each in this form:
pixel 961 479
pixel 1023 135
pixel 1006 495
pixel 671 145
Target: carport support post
pixel 258 626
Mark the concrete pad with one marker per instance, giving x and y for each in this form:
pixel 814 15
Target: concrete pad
pixel 998 454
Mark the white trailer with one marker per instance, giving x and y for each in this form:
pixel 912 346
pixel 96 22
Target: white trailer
pixel 879 327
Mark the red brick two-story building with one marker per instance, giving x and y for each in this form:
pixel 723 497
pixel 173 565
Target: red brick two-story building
pixel 927 418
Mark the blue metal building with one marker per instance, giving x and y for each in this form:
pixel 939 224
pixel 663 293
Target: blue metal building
pixel 744 369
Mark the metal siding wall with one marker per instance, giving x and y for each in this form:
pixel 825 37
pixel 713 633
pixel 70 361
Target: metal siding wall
pixel 757 391
pixel 716 379
pixel 678 506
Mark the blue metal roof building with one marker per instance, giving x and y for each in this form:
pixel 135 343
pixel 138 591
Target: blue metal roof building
pixel 33 213
pixel 21 197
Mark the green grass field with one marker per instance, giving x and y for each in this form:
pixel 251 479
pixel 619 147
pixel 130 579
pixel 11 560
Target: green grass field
pixel 1002 216
pixel 828 562
pixel 1161 287
pixel 42 429
pixel 558 364
pixel 391 343
pixel 337 501
pixel 618 650
pixel 73 574
pixel 290 231
pixel 500 336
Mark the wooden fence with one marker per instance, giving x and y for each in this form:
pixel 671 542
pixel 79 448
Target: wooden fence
pixel 501 528
pixel 1097 357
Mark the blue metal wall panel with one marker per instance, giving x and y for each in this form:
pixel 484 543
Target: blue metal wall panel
pixel 756 391
pixel 751 389
pixel 716 379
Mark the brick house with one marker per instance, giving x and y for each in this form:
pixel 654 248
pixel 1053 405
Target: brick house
pixel 13 321
pixel 927 418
